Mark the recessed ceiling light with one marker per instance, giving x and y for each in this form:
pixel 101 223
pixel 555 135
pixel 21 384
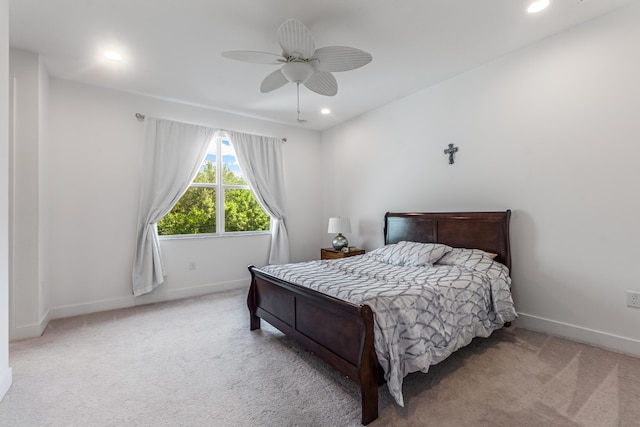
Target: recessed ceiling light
pixel 113 55
pixel 325 111
pixel 537 5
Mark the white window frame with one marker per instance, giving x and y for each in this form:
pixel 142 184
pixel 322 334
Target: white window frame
pixel 220 188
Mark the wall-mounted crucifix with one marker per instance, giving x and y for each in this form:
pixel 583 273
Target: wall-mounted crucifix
pixel 450 152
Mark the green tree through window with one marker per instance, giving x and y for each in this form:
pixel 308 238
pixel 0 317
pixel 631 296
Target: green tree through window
pixel 196 211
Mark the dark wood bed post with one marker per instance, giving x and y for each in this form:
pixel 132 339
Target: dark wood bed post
pixel 254 320
pixel 370 374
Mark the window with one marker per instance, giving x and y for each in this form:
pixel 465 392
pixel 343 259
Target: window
pixel 219 182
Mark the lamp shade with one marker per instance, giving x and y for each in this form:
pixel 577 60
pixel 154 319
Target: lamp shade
pixel 339 225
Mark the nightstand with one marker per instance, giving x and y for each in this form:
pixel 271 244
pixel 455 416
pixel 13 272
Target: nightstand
pixel 330 253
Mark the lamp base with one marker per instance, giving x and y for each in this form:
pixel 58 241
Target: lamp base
pixel 339 242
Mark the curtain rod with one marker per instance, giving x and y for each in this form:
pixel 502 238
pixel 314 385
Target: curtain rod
pixel 141 117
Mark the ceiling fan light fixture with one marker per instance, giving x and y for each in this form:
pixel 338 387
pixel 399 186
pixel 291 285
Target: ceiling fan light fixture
pixel 112 55
pixel 297 72
pixel 536 6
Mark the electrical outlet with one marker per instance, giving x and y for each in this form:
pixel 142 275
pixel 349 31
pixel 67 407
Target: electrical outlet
pixel 633 299
pixel 192 265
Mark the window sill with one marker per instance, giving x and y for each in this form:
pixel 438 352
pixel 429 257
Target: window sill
pixel 215 236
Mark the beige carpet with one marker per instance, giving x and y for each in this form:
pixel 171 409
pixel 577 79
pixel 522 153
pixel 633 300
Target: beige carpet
pixel 195 363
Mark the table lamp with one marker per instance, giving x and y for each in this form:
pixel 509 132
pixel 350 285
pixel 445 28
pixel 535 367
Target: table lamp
pixel 339 225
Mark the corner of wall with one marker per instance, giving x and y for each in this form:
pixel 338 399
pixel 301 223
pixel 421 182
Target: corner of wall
pixel 5 382
pixel 28 237
pixel 30 331
pixel 5 371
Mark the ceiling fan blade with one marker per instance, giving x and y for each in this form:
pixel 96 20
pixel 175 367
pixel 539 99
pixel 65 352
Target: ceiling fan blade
pixel 254 56
pixel 296 39
pixel 341 58
pixel 322 82
pixel 273 81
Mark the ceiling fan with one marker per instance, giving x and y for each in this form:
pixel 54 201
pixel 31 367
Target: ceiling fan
pixel 302 62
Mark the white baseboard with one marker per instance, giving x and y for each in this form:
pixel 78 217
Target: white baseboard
pixel 91 307
pixel 30 331
pixel 6 379
pixel 160 294
pixel 606 340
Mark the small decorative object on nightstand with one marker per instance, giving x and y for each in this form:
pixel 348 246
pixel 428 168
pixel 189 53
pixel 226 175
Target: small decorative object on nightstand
pixel 330 253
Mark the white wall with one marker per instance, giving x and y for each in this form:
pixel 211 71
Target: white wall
pixel 5 371
pixel 550 132
pixel 92 173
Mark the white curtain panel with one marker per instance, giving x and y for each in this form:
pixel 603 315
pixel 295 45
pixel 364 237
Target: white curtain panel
pixel 173 153
pixel 260 159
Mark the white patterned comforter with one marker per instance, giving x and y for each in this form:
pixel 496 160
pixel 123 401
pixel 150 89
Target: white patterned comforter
pixel 421 314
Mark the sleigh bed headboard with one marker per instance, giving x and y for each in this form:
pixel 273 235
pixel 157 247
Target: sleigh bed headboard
pixel 488 231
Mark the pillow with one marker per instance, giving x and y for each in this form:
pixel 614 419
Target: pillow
pixel 414 254
pixel 462 257
pixel 381 251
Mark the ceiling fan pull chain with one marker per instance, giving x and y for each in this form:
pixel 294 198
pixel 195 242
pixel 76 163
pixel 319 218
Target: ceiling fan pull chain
pixel 298 92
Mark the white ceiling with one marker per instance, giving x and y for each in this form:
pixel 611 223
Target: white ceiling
pixel 172 48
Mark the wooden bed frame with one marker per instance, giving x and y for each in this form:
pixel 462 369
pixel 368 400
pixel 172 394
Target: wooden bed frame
pixel 341 333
